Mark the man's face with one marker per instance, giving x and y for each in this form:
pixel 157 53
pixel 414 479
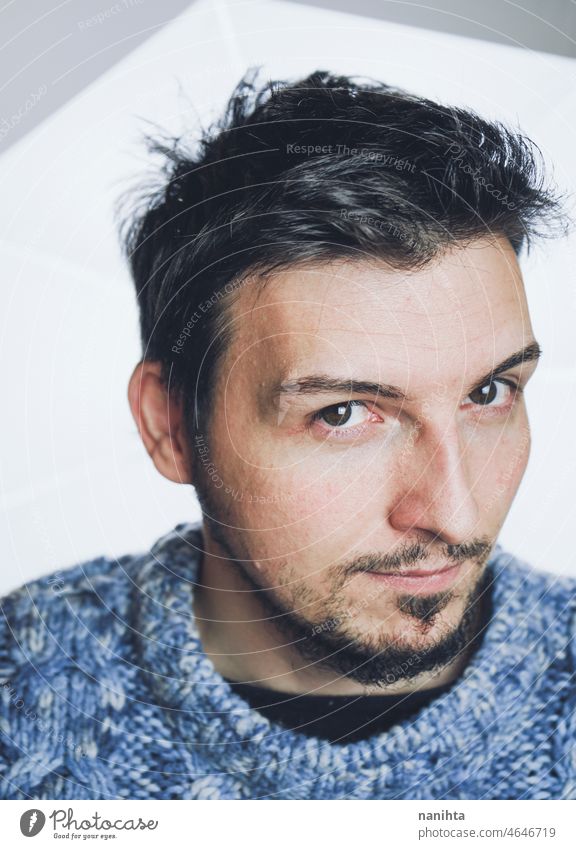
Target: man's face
pixel 317 494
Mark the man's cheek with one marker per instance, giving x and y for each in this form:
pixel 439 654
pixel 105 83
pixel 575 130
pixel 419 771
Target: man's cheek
pixel 508 468
pixel 294 525
pixel 514 459
pixel 276 490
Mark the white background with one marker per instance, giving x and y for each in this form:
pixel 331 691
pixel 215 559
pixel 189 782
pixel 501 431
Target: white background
pixel 75 481
pixel 245 826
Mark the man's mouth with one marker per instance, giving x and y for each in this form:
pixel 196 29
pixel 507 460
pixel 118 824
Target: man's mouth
pixel 421 580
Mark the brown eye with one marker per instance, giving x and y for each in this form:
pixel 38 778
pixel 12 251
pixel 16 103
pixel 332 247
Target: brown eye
pixel 339 414
pixel 485 395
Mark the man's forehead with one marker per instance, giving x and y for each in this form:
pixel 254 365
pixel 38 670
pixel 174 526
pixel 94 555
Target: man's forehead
pixel 473 285
pixel 460 299
pixel 360 321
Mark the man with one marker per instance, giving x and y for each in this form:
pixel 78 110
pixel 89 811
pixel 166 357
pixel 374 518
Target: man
pixel 336 344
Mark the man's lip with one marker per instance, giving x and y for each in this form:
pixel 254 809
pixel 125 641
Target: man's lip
pixel 418 573
pixel 424 573
pixel 417 581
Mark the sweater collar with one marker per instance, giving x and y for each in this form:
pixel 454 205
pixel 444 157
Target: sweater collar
pixel 209 716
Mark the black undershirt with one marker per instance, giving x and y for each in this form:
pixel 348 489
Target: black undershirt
pixel 340 719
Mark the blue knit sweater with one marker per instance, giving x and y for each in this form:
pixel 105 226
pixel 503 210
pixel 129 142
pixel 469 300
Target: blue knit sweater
pixel 106 693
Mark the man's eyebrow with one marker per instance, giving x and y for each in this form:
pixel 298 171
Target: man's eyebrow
pixel 533 351
pixel 321 384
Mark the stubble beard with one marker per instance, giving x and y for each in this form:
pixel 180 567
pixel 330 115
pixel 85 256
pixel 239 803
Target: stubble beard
pixel 330 644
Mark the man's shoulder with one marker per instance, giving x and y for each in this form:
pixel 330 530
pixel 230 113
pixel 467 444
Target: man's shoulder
pixel 97 578
pixel 547 582
pixel 544 597
pixel 66 611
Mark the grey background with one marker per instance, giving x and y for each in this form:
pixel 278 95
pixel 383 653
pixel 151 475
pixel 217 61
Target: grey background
pixel 547 25
pixel 51 51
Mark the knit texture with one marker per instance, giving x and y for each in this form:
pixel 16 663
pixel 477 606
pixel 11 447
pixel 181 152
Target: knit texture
pixel 105 692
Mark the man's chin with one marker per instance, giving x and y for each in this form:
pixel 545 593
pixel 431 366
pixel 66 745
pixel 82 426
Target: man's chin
pixel 386 663
pixel 417 640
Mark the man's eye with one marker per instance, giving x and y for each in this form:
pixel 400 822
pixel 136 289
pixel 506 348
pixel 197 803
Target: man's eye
pixel 495 391
pixel 350 413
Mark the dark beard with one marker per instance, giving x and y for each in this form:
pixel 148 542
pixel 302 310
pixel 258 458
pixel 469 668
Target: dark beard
pixel 324 644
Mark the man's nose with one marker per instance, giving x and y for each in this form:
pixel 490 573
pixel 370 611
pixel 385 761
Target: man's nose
pixel 435 487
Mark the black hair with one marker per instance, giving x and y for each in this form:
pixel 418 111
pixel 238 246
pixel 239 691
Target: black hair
pixel 312 171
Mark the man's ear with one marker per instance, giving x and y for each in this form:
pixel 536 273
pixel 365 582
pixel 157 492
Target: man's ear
pixel 159 421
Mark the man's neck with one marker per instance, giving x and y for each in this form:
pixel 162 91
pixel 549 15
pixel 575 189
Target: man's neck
pixel 244 645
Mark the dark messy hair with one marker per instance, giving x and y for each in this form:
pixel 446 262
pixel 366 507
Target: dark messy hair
pixel 322 169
